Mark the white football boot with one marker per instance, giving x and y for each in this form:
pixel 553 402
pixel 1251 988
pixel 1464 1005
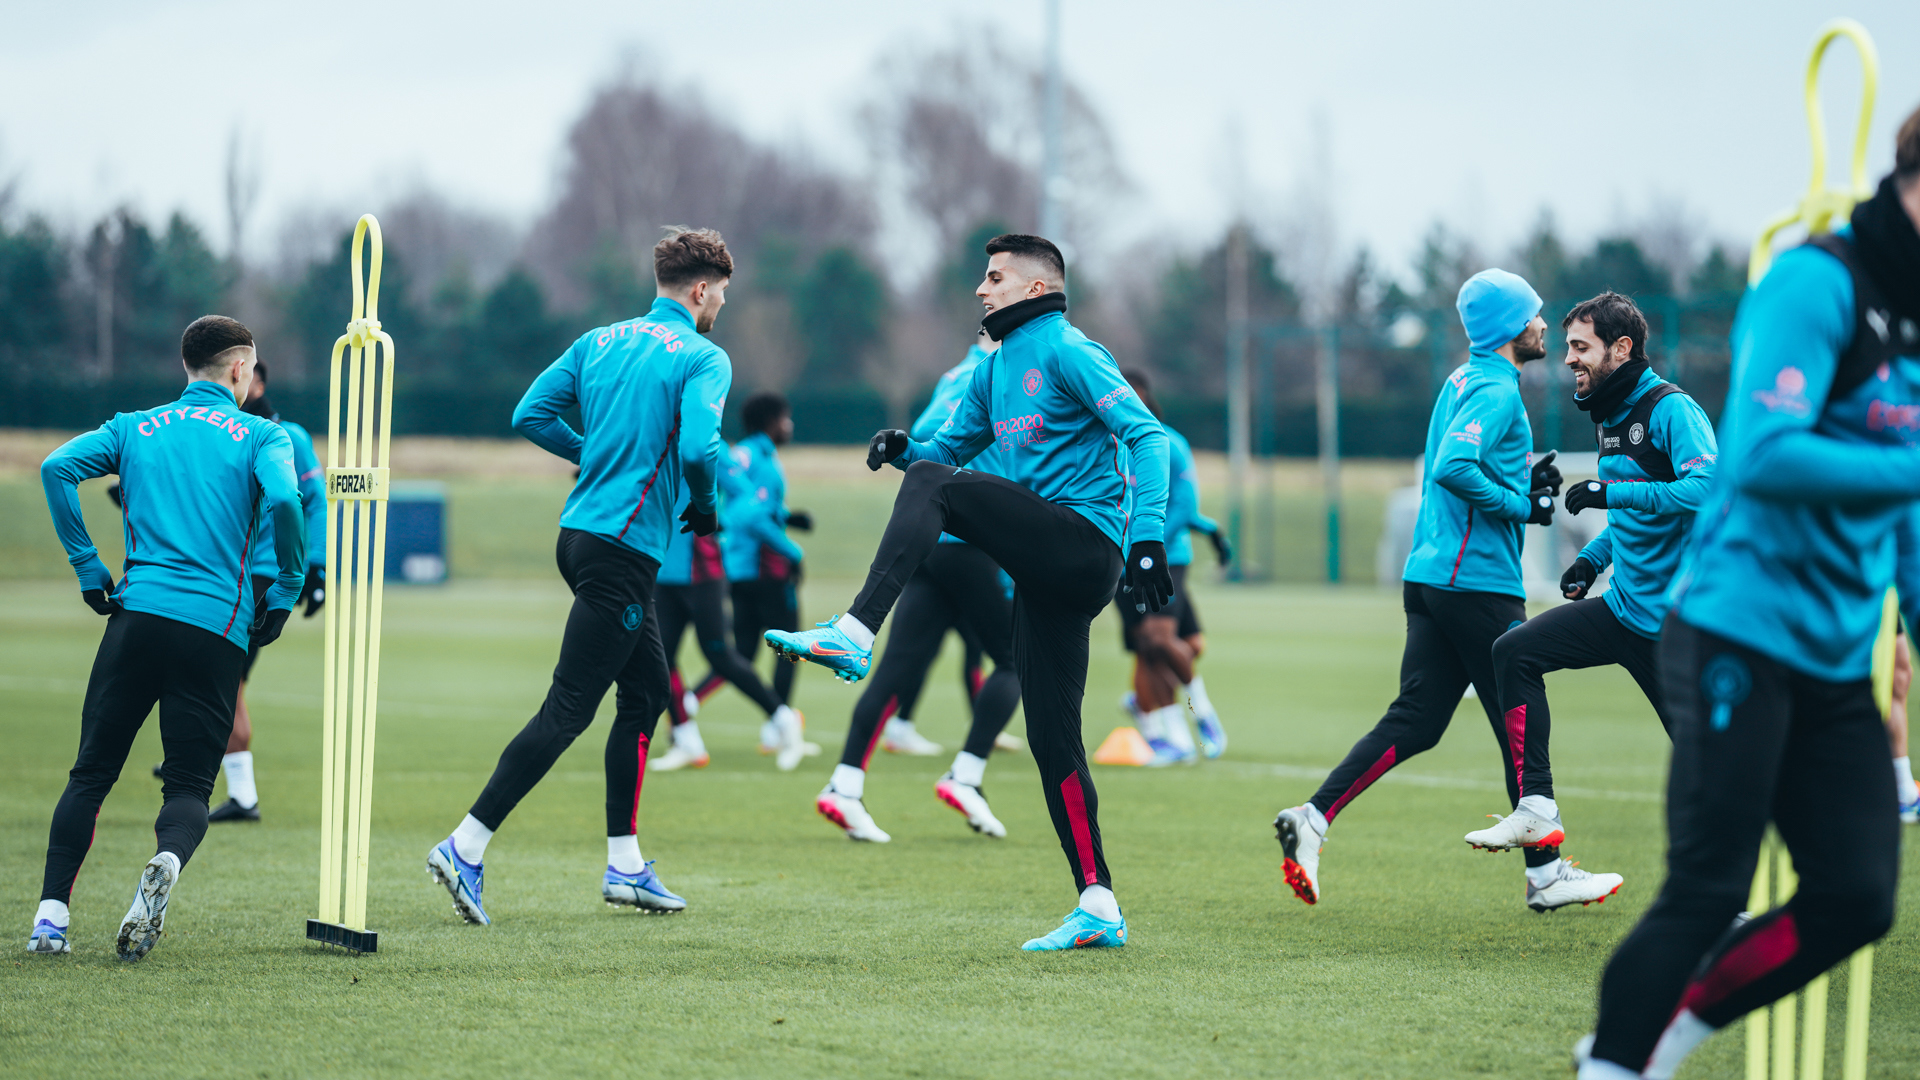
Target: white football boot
pixel 1300 844
pixel 146 919
pixel 850 814
pixel 793 743
pixel 680 757
pixel 901 737
pixel 969 800
pixel 1008 743
pixel 1521 829
pixel 1572 886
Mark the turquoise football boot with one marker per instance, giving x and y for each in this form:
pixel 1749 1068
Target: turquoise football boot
pixel 462 880
pixel 824 645
pixel 1080 930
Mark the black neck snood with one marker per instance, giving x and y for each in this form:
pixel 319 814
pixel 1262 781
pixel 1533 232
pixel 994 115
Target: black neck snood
pixel 1003 321
pixel 1604 400
pixel 1888 245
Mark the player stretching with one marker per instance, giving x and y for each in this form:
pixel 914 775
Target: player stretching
pixel 1054 403
pixel 1463 587
pixel 650 392
pixel 199 479
pixel 958 586
pixel 1166 644
pixel 1765 659
pixel 1656 463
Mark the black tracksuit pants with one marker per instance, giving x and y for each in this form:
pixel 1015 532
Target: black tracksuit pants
pixel 703 606
pixel 1064 571
pixel 1754 741
pixel 957 586
pixel 760 605
pixel 143 660
pixel 612 638
pixel 1583 634
pixel 1450 638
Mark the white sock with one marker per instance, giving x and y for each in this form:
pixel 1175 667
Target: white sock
pixel 1098 901
pixel 1317 819
pixel 55 912
pixel 173 861
pixel 968 769
pixel 623 854
pixel 470 840
pixel 1542 876
pixel 1173 727
pixel 687 737
pixel 1540 806
pixel 1197 697
pixel 1684 1032
pixel 855 630
pixel 690 703
pixel 1903 780
pixel 239 769
pixel 849 780
pixel 1151 729
pixel 1595 1069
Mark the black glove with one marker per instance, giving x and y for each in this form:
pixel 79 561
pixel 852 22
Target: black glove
pixel 1545 473
pixel 1578 579
pixel 113 496
pixel 1220 546
pixel 267 630
pixel 887 444
pixel 1541 500
pixel 1148 577
pixel 800 519
pixel 1589 494
pixel 699 522
pixel 97 600
pixel 314 591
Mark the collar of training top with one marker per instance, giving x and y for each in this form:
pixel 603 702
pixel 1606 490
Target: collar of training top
pixel 1888 244
pixel 1613 391
pixel 1003 321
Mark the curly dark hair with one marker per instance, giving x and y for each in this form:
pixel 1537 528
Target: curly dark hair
pixel 1614 317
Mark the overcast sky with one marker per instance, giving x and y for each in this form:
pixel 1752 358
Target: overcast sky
pixel 1478 115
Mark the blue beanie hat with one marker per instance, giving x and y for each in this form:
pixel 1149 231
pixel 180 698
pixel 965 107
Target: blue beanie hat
pixel 1495 306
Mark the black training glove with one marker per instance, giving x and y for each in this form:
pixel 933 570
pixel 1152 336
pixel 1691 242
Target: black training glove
pixel 314 591
pixel 1148 577
pixel 699 522
pixel 97 600
pixel 800 519
pixel 267 630
pixel 1578 579
pixel 887 444
pixel 1590 494
pixel 1220 546
pixel 1541 501
pixel 1545 473
pixel 113 496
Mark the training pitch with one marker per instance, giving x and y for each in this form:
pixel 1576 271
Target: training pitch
pixel 803 954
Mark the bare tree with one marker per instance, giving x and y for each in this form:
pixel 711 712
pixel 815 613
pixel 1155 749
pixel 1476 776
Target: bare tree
pixel 440 240
pixel 242 190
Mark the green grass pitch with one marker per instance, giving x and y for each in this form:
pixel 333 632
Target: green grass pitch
pixel 805 955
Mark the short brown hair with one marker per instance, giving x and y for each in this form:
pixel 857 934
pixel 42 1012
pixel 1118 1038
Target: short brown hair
pixel 1038 248
pixel 1613 317
pixel 208 336
pixel 685 256
pixel 1906 151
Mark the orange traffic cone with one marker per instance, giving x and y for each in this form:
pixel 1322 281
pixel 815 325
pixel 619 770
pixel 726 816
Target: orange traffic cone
pixel 1125 746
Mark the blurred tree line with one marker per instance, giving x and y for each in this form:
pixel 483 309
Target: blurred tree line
pixel 852 292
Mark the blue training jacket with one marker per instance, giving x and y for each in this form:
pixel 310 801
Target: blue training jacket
pixel 1067 425
pixel 1647 520
pixel 199 479
pixel 312 481
pixel 1183 501
pixel 753 516
pixel 1796 545
pixel 947 393
pixel 651 391
pixel 1473 498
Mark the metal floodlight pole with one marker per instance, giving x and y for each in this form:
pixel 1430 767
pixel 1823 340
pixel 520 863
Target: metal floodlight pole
pixel 1327 407
pixel 1051 134
pixel 1239 396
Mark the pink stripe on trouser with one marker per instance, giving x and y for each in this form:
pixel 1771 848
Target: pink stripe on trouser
pixel 1076 799
pixel 1366 780
pixel 639 780
pixel 1745 964
pixel 1517 741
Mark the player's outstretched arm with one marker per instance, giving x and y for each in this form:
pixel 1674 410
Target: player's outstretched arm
pixel 1682 431
pixel 1457 465
pixel 273 470
pixel 703 398
pixel 96 453
pixel 555 391
pixel 964 434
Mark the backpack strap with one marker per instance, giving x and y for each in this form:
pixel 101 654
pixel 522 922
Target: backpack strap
pixel 1633 436
pixel 1873 343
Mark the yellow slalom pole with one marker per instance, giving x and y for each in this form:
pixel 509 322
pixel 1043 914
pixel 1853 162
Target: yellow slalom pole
pixel 1821 205
pixel 360 414
pixel 1785 881
pixel 1759 899
pixel 1853 1065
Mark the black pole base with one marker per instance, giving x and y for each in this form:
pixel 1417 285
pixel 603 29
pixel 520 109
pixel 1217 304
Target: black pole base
pixel 354 941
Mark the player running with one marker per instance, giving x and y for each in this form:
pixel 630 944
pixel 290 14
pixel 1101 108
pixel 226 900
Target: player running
pixel 1462 580
pixel 1657 454
pixel 959 586
pixel 650 391
pixel 1167 643
pixel 1766 656
pixel 1054 403
pixel 199 480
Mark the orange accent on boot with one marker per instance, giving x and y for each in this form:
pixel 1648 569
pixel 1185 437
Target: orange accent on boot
pixel 830 812
pixel 1552 839
pixel 1297 879
pixel 948 797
